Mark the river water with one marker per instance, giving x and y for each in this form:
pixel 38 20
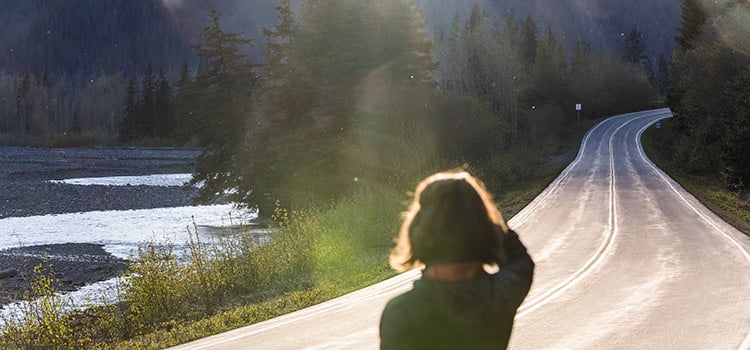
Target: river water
pixel 120 231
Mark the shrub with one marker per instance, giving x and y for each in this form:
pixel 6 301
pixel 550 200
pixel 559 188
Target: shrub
pixel 43 319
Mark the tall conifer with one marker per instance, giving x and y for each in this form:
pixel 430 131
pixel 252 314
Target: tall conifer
pixel 693 18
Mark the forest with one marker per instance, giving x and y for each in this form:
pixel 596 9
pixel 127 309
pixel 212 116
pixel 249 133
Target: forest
pixel 711 132
pixel 377 96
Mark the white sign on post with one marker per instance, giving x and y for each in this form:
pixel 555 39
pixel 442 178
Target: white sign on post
pixel 578 106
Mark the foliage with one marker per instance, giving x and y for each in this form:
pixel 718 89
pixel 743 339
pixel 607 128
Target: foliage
pixel 694 16
pixel 151 290
pixel 152 114
pixel 45 319
pixel 711 113
pixel 634 48
pixel 337 70
pixel 223 89
pixel 609 86
pixel 534 93
pixel 727 204
pixel 44 112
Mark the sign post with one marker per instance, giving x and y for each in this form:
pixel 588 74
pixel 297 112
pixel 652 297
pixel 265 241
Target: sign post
pixel 578 110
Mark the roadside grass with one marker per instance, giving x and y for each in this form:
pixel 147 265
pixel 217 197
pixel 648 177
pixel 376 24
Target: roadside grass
pixel 726 204
pixel 314 255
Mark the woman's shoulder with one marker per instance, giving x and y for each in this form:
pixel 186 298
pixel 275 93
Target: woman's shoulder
pixel 407 304
pixel 400 301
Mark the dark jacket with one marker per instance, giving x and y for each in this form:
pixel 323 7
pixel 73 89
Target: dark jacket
pixel 471 314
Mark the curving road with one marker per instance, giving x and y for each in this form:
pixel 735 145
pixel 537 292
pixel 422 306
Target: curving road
pixel 626 259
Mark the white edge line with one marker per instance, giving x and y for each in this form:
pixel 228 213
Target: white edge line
pixel 610 233
pixel 526 212
pixel 745 345
pixel 302 314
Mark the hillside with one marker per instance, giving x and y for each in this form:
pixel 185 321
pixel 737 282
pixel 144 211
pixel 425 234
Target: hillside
pixel 86 38
pixel 601 23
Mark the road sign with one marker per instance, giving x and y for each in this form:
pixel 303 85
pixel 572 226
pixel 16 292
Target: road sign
pixel 578 106
pixel 658 125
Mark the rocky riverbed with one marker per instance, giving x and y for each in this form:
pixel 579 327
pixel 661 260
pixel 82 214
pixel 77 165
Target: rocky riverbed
pixel 70 265
pixel 25 191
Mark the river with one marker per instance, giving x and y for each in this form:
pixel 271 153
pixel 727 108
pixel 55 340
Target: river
pixel 120 231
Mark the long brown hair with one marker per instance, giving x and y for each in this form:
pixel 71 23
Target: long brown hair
pixel 452 218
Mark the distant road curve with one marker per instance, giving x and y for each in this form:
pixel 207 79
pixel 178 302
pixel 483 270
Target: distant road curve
pixel 626 259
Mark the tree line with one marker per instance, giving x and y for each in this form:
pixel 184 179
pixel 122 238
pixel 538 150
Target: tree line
pixel 369 98
pixel 351 94
pixel 708 93
pixel 57 111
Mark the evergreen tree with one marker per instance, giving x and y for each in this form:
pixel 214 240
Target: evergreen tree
pixel 662 74
pixel 693 18
pixel 23 104
pixel 512 28
pixel 146 114
pixel 648 67
pixel 277 40
pixel 223 89
pixel 225 82
pixel 634 48
pixel 163 113
pixel 528 41
pixel 312 95
pixel 581 58
pixel 184 106
pixel 549 71
pixel 130 126
pixel 451 69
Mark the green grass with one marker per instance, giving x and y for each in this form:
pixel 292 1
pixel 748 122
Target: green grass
pixel 726 204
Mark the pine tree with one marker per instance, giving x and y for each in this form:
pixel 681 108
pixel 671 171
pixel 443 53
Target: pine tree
pixel 528 41
pixel 312 95
pixel 146 117
pixel 581 58
pixel 130 126
pixel 693 18
pixel 225 82
pixel 278 38
pixel 23 104
pixel 662 74
pixel 184 106
pixel 634 48
pixel 163 113
pixel 648 67
pixel 223 88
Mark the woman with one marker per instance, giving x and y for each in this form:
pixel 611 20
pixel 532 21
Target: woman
pixel 454 229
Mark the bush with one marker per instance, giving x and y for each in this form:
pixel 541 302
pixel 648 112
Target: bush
pixel 43 320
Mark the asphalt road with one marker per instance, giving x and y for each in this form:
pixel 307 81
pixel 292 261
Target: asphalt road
pixel 626 259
